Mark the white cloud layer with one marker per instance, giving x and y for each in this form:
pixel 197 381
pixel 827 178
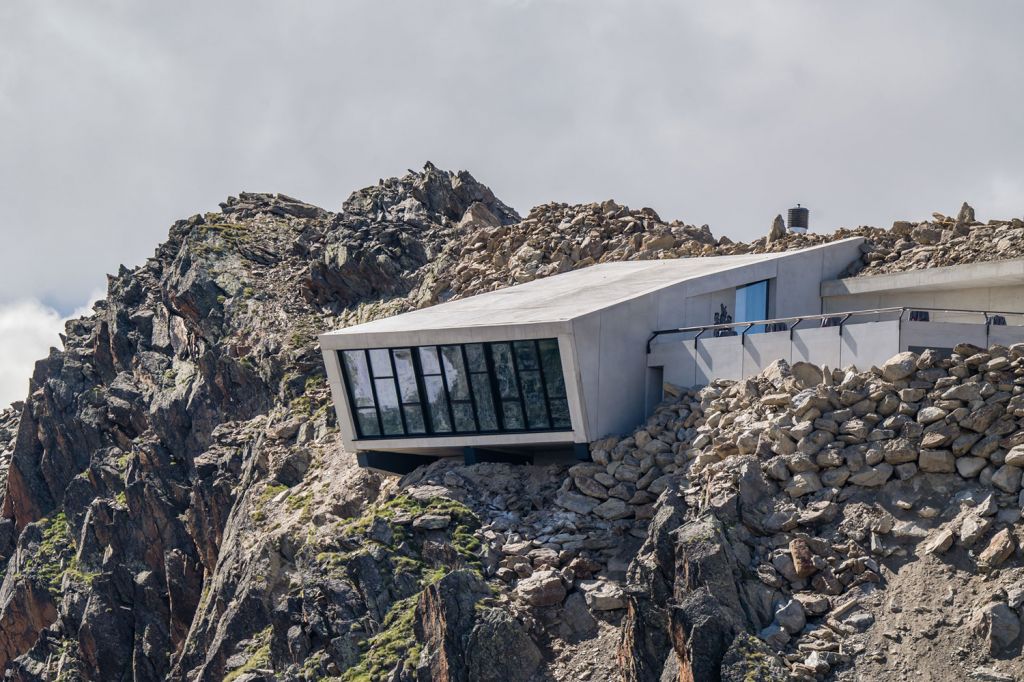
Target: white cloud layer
pixel 28 330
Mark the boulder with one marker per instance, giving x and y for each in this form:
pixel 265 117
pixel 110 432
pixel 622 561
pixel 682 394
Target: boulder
pixel 999 549
pixel 999 625
pixel 431 521
pixel 1007 478
pixel 936 462
pixel 806 374
pixel 899 366
pixel 790 615
pixel 603 595
pixel 803 558
pixel 543 588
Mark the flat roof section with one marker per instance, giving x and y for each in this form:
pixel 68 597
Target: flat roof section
pixel 999 273
pixel 563 297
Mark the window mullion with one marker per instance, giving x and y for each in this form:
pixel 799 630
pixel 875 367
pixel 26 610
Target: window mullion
pixel 469 386
pixel 444 385
pixel 398 391
pixel 519 384
pixel 492 381
pixel 421 387
pixel 543 384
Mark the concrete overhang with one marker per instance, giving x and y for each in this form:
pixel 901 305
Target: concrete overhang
pixel 999 273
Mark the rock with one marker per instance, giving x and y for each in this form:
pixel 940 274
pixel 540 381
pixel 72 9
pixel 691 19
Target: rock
pixel 790 615
pixel 803 484
pixel 872 477
pixel 775 636
pixel 940 542
pixel 543 588
pixel 1007 478
pixel 750 660
pixel 613 509
pixel 778 230
pixel 1015 457
pixel 972 528
pixel 590 487
pixel 431 521
pixel 603 595
pixel 929 415
pixel 806 374
pixel 936 461
pixel 499 648
pixel 859 621
pixel 999 549
pixel 966 214
pixel 999 625
pixel 581 504
pixel 899 366
pixel 803 558
pixel 969 467
pixel 577 619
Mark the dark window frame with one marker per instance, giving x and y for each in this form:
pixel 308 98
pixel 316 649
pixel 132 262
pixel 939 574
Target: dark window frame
pixel 426 409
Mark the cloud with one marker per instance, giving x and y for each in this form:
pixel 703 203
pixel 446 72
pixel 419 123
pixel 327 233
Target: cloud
pixel 28 329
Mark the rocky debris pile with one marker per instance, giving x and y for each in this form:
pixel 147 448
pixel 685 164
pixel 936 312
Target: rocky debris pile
pixel 942 241
pixel 556 238
pixel 827 481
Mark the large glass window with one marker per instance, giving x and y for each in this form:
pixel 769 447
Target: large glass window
pixel 456 389
pixel 752 304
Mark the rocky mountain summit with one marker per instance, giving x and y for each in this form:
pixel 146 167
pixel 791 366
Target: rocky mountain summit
pixel 175 504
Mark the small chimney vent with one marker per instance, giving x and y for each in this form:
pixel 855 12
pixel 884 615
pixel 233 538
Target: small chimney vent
pixel 799 219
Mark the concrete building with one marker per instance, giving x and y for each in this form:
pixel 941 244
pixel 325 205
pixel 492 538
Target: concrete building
pixel 555 363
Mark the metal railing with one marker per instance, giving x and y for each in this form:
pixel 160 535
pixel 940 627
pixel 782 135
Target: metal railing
pixel 837 319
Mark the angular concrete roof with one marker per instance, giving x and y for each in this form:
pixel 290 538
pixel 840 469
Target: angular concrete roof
pixel 563 297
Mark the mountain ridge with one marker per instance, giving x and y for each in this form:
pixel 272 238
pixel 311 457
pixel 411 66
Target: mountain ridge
pixel 176 505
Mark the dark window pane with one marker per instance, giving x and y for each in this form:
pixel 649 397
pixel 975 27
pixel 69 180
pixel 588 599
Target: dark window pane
pixel 560 414
pixel 414 419
pixel 533 396
pixel 551 362
pixel 484 403
pixel 475 355
pixel 513 415
pixel 390 417
pixel 367 417
pixel 428 360
pixel 406 375
pixel 463 413
pixel 526 355
pixel 506 375
pixel 380 361
pixel 455 371
pixel 358 377
pixel 439 419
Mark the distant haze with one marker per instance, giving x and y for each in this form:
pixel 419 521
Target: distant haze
pixel 118 117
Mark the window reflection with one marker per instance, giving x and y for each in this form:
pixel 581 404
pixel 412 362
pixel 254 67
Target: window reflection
pixel 752 304
pixel 456 388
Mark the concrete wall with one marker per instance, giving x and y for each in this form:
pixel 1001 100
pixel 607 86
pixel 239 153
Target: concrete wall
pixel 998 299
pixel 611 343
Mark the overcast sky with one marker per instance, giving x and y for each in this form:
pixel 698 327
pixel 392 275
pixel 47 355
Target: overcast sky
pixel 117 117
